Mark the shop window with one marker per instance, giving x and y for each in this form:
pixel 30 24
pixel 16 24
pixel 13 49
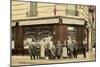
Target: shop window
pixel 36 33
pixel 72 32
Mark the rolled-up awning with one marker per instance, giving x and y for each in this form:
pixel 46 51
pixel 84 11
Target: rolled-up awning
pixel 50 20
pixel 73 21
pixel 38 22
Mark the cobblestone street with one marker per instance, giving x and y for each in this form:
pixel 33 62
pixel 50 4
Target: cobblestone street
pixel 25 60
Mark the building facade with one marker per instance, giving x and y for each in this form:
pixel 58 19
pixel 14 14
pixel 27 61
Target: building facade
pixel 41 20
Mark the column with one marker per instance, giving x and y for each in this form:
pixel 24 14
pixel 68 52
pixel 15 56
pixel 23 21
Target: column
pixel 89 39
pixel 60 32
pixel 18 39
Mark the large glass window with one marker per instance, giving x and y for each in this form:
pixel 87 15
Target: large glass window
pixel 36 33
pixel 72 32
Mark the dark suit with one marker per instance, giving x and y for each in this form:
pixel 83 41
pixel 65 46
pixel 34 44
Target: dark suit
pixel 32 50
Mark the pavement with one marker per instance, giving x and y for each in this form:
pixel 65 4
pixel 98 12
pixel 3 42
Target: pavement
pixel 25 60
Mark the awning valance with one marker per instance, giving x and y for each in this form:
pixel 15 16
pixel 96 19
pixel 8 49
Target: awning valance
pixel 53 20
pixel 38 22
pixel 73 21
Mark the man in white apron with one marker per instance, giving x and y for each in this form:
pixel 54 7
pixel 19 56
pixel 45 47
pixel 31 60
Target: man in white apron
pixel 43 43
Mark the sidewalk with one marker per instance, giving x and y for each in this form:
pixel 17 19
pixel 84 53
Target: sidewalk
pixel 25 60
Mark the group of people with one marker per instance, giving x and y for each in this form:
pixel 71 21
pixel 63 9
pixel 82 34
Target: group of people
pixel 49 50
pixel 34 50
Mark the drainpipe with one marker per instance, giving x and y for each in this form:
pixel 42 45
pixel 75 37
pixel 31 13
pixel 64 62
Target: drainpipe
pixel 54 9
pixel 90 32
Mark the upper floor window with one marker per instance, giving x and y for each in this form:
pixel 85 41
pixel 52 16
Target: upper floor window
pixel 71 10
pixel 33 9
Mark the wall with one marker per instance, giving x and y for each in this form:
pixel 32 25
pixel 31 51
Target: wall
pixel 19 10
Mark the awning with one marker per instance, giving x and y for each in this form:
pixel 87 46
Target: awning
pixel 38 22
pixel 50 20
pixel 73 21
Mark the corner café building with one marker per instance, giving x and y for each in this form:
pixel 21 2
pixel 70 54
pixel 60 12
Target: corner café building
pixel 59 27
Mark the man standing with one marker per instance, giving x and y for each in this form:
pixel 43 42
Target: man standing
pixel 38 50
pixel 47 51
pixel 53 52
pixel 84 48
pixel 75 49
pixel 32 49
pixel 70 47
pixel 59 49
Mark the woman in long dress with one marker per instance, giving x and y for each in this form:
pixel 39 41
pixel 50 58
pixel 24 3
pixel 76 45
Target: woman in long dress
pixel 64 51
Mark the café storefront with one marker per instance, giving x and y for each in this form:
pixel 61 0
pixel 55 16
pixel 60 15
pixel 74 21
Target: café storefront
pixel 59 28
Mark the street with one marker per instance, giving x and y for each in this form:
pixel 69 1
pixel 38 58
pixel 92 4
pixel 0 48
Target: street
pixel 25 60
